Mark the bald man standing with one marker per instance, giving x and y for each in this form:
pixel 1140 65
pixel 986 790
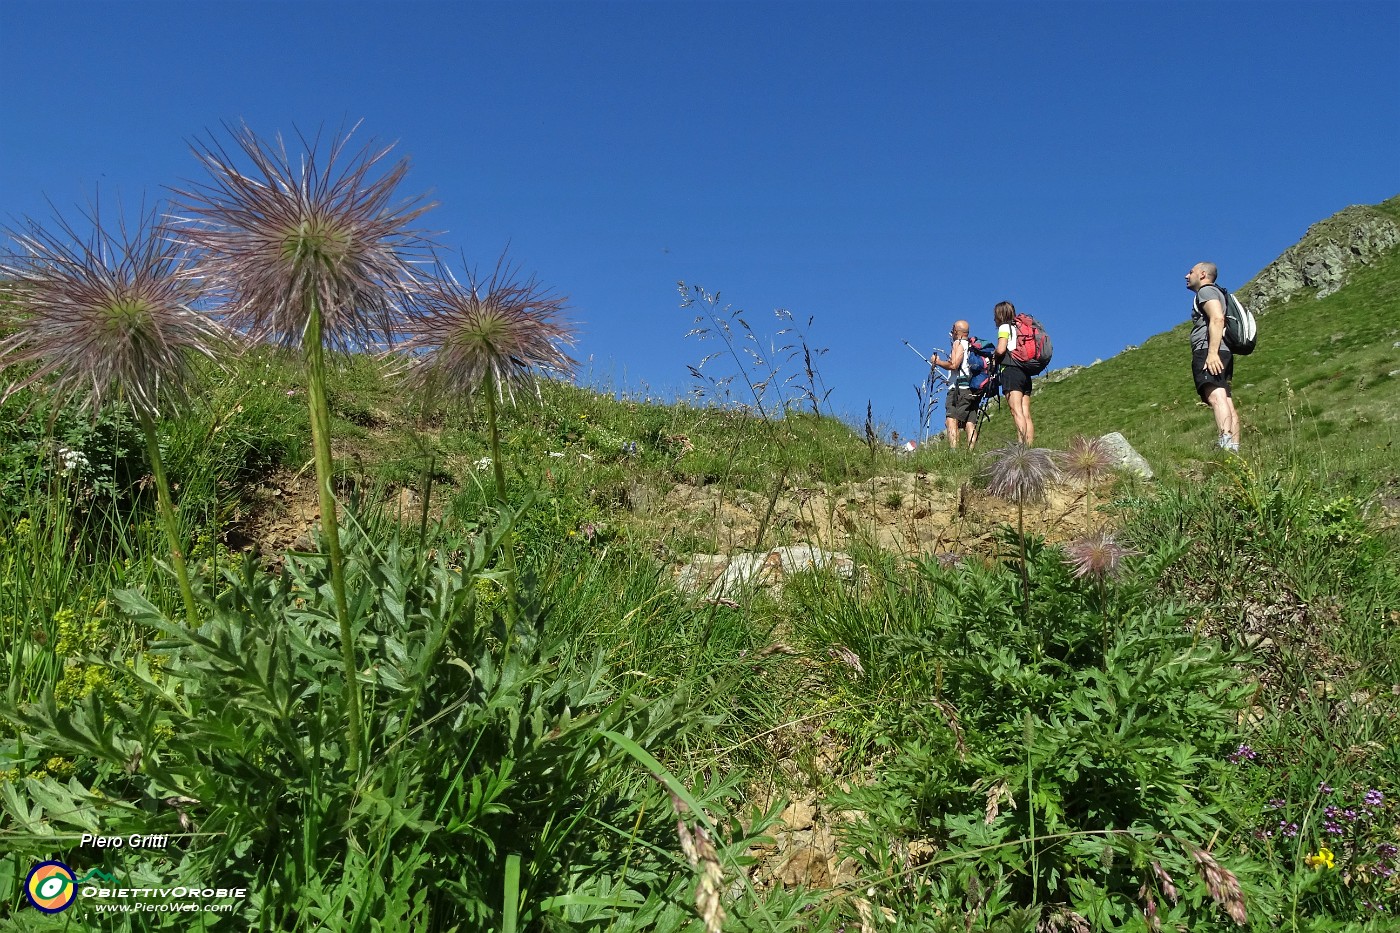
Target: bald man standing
pixel 1212 363
pixel 961 404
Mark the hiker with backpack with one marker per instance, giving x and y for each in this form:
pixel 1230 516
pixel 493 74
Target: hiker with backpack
pixel 961 404
pixel 1023 349
pixel 1220 329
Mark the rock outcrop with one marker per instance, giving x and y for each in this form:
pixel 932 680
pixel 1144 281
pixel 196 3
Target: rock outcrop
pixel 1325 257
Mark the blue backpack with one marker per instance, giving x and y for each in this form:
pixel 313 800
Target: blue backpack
pixel 981 367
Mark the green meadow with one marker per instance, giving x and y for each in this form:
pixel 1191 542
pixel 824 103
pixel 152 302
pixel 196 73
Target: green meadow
pixel 488 705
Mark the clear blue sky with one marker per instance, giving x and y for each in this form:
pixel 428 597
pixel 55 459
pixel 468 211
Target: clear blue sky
pixel 883 167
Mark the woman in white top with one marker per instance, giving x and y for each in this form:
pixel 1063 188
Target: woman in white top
pixel 1015 381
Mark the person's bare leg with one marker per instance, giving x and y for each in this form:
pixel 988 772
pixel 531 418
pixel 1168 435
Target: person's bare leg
pixel 950 427
pixel 1227 420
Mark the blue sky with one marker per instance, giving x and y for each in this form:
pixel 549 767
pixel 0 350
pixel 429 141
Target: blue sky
pixel 884 168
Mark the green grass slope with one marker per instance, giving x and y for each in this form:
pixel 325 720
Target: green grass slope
pixel 1322 387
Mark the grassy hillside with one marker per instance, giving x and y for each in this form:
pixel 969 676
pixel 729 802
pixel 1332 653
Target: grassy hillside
pixel 1323 386
pixel 1176 712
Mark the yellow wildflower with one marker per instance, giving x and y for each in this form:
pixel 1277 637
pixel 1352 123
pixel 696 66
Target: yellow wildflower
pixel 1323 859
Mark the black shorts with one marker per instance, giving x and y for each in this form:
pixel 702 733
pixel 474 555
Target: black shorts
pixel 960 405
pixel 1015 379
pixel 1205 381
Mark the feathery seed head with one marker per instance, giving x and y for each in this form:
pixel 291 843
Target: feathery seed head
pixel 327 230
pixel 1019 473
pixel 504 328
pixel 1086 459
pixel 108 311
pixel 1097 555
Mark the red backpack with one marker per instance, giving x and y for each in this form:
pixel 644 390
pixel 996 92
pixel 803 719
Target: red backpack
pixel 1032 351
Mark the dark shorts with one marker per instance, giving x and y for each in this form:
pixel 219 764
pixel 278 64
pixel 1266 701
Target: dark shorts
pixel 1015 379
pixel 1207 383
pixel 960 405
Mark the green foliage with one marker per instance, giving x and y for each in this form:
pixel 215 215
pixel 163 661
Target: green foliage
pixel 1052 761
pixel 481 741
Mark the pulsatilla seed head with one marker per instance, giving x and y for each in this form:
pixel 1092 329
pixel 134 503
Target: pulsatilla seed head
pixel 102 312
pixel 324 232
pixel 1098 555
pixel 1019 473
pixel 501 329
pixel 1085 459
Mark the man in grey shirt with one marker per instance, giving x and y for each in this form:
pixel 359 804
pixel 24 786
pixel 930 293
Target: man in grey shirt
pixel 1212 363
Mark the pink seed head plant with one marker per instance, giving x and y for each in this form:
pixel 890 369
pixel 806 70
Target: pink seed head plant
pixel 489 335
pixel 492 335
pixel 1097 556
pixel 317 253
pixel 317 243
pixel 1022 474
pixel 109 314
pixel 1086 460
pixel 106 314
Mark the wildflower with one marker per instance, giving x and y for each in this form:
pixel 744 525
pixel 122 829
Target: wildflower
pixel 73 460
pixel 1323 787
pixel 104 313
pixel 1085 459
pixel 1243 753
pixel 1373 798
pixel 492 334
pixel 1019 473
pixel 321 239
pixel 1098 555
pixel 1277 803
pixel 949 559
pixel 316 256
pixel 1323 859
pixel 1331 828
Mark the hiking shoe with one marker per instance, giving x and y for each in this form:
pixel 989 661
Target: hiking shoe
pixel 1228 442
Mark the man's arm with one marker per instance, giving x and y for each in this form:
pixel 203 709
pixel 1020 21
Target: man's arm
pixel 1214 310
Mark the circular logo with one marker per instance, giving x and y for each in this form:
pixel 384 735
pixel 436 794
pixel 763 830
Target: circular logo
pixel 51 887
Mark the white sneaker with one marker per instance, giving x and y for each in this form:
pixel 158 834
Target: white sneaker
pixel 1228 442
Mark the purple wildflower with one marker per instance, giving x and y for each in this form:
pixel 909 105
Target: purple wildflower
pixel 1374 798
pixel 1086 459
pixel 1243 753
pixel 1323 787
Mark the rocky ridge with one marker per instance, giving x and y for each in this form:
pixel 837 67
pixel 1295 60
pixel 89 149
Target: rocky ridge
pixel 1324 258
